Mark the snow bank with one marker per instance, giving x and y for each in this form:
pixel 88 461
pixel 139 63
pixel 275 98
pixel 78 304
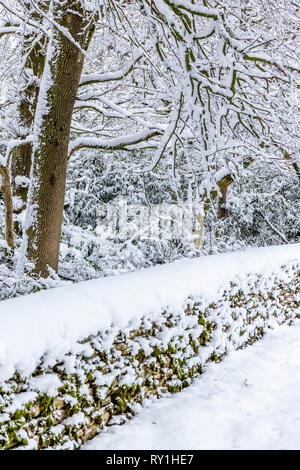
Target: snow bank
pixel 82 357
pixel 49 322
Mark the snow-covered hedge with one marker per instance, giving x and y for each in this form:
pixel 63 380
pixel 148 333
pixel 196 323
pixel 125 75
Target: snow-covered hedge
pixel 81 357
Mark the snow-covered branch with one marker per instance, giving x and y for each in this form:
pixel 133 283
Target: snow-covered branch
pixel 110 76
pixel 118 143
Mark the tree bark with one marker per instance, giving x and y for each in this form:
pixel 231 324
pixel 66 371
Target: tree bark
pixel 222 202
pixel 6 189
pixel 56 100
pixel 34 51
pixel 20 166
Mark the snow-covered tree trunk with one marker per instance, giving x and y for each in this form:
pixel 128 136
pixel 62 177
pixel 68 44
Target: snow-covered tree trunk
pixel 6 189
pixel 21 157
pixel 63 67
pixel 222 202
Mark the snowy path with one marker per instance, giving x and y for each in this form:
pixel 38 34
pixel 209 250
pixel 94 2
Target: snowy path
pixel 249 401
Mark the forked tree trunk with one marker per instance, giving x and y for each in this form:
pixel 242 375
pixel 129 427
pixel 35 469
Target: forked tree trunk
pixel 56 100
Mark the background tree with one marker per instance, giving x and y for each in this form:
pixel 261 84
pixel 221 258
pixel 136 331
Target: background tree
pixel 204 85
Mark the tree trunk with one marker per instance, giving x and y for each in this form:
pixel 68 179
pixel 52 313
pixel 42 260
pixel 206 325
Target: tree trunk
pixel 222 202
pixel 34 51
pixel 6 189
pixel 56 100
pixel 20 167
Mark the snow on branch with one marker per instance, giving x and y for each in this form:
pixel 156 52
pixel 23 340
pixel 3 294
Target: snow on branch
pixel 97 108
pixel 117 143
pixel 110 76
pixel 192 8
pixel 11 145
pixel 9 30
pixel 169 132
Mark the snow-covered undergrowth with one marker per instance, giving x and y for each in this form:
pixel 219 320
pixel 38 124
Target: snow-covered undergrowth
pixel 80 357
pixel 85 255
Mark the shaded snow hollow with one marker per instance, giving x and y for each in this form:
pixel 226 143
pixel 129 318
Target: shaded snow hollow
pixel 52 321
pixel 248 401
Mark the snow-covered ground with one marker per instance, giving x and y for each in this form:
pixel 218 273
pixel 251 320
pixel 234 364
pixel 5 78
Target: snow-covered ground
pixel 251 400
pixel 52 321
